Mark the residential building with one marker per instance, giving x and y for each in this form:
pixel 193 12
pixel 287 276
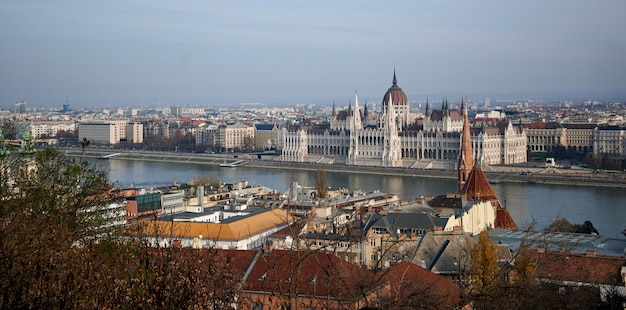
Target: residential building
pixel 50 128
pixel 317 280
pixel 266 136
pixel 207 135
pixel 134 133
pixel 103 132
pixel 238 136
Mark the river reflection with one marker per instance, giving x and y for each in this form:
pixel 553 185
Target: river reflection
pixel 527 203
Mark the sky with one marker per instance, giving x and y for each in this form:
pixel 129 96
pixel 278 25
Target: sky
pixel 220 53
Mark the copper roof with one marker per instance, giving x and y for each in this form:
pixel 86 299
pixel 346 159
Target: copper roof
pixel 395 94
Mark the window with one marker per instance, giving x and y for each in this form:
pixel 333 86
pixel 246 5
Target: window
pixel 257 306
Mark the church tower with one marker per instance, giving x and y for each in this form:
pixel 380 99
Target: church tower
pixel 466 160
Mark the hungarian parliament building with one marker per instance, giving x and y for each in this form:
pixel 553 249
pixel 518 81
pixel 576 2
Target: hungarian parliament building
pixel 395 138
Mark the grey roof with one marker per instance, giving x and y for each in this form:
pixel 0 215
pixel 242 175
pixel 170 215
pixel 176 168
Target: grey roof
pixel 401 221
pixel 455 257
pixel 573 242
pixel 264 126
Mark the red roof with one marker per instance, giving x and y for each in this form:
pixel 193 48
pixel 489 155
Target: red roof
pixel 415 287
pixel 310 274
pixel 578 267
pixel 478 188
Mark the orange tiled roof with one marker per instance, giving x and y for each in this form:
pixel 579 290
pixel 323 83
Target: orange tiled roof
pixel 236 230
pixel 504 219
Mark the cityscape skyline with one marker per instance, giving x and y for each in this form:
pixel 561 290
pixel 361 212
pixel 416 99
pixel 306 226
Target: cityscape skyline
pixel 128 54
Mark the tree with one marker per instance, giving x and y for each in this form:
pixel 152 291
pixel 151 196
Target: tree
pixel 321 183
pixel 484 262
pixel 55 253
pixel 50 203
pixel 209 181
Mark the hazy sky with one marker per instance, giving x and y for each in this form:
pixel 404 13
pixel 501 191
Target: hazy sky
pixel 227 52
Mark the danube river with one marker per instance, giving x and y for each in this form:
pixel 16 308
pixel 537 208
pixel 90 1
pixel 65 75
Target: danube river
pixel 604 207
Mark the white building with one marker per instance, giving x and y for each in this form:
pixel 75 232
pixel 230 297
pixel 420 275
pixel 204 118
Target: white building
pixel 134 132
pixel 399 140
pixel 235 136
pixel 111 132
pixel 50 129
pixel 103 132
pixel 235 227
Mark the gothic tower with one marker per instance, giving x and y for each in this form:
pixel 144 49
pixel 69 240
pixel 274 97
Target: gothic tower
pixel 466 160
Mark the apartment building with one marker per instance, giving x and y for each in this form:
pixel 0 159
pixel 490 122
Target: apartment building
pixel 102 132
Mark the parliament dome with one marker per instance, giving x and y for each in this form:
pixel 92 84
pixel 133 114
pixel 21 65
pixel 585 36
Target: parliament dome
pixel 395 94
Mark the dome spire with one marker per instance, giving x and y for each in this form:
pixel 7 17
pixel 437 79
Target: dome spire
pixel 395 81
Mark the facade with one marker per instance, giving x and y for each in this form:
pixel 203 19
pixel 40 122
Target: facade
pixel 134 132
pixel 103 132
pixel 266 136
pixel 610 140
pixel 50 129
pixel 239 136
pixel 207 135
pixel 399 140
pixel 140 203
pixel 601 140
pixel 544 137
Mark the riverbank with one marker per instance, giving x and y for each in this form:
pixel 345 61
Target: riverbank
pixel 496 174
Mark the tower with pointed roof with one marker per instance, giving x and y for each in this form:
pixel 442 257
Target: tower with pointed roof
pixel 473 182
pixel 395 100
pixel 466 159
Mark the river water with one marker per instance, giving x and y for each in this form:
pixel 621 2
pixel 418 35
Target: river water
pixel 528 203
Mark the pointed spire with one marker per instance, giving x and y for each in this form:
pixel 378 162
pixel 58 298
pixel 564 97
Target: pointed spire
pixel 334 111
pixel 466 160
pixel 357 113
pixel 395 81
pixel 427 112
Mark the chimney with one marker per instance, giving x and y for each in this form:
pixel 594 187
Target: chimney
pixel 201 196
pixel 590 253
